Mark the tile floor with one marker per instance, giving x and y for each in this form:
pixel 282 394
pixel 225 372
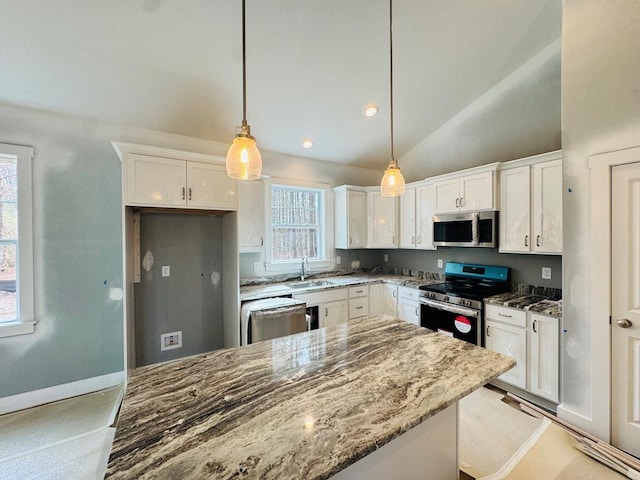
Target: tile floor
pixel 67 440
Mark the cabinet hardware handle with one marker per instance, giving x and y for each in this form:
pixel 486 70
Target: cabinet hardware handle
pixel 359 291
pixel 183 193
pixel 189 193
pixel 326 312
pixel 419 240
pixel 359 307
pixel 413 240
pixel 461 201
pixel 534 326
pixel 537 240
pixel 417 312
pixel 457 203
pixel 393 239
pixel 488 331
pixel 526 240
pixel 262 241
pixel 504 315
pixel 394 294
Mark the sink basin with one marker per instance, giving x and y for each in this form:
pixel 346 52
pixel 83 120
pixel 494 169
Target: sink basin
pixel 309 284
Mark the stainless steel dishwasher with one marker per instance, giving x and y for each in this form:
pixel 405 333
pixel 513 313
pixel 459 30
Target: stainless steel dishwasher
pixel 272 318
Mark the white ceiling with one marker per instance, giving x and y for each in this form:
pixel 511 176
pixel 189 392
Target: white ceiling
pixel 312 65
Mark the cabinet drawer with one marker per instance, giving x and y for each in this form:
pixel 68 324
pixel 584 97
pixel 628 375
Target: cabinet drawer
pixel 409 293
pixel 329 295
pixel 358 307
pixel 506 315
pixel 359 291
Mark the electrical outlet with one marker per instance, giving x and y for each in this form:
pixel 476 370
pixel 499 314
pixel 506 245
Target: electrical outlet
pixel 166 270
pixel 338 260
pixel 546 273
pixel 439 263
pixel 355 264
pixel 386 257
pixel 169 341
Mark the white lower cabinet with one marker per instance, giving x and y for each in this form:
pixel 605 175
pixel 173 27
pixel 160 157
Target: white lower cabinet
pixel 359 301
pixel 376 299
pixel 334 313
pixel 332 305
pixel 390 299
pixel 532 340
pixel 408 305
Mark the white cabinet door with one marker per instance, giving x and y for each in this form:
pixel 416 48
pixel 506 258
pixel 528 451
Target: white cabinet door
pixel 515 234
pixel 350 207
pixel 476 192
pixel 447 195
pixel 251 220
pixel 209 186
pixel 408 219
pixel 335 313
pixel 381 220
pixel 547 207
pixel 409 311
pixel 512 341
pixel 359 307
pixel 390 300
pixel 425 205
pixel 155 181
pixel 376 299
pixel 543 362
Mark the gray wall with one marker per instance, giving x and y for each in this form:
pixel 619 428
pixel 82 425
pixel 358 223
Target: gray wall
pixel 601 105
pixel 524 268
pixel 190 299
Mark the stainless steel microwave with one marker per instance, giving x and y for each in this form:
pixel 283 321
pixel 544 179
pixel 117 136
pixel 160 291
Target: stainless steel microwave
pixel 471 229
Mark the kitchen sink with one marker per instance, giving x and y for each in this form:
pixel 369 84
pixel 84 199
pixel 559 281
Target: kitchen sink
pixel 309 284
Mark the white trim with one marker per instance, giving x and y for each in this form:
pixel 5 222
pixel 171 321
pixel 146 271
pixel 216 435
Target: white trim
pixel 599 423
pixel 60 392
pixel 24 275
pixel 123 148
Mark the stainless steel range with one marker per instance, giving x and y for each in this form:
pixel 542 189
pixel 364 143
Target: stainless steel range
pixel 455 307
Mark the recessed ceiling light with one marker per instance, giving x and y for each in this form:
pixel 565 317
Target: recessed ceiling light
pixel 307 143
pixel 371 110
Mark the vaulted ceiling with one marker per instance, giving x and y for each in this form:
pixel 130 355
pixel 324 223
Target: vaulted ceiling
pixel 312 65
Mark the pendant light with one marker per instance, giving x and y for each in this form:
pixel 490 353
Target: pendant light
pixel 392 184
pixel 243 158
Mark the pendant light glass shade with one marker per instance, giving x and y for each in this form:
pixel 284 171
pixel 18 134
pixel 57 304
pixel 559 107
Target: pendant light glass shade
pixel 392 184
pixel 243 158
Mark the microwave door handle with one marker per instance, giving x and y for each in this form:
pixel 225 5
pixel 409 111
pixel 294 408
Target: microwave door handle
pixel 475 233
pixel 450 308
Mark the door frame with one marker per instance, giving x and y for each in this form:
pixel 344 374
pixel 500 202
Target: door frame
pixel 600 169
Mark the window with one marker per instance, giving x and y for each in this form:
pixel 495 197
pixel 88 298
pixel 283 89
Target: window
pixel 16 252
pixel 298 224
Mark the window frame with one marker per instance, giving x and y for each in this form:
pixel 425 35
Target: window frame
pixel 25 323
pixel 326 226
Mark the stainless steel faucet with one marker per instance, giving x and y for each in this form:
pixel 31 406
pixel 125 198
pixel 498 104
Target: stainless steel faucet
pixel 305 260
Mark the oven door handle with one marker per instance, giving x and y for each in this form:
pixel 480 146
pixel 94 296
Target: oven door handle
pixel 450 308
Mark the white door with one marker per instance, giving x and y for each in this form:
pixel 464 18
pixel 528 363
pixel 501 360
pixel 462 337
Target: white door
pixel 476 192
pixel 409 311
pixel 543 359
pixel 425 204
pixel 509 340
pixel 408 219
pixel 376 299
pixel 381 225
pixel 335 313
pixel 357 218
pixel 515 234
pixel 251 215
pixel 209 186
pixel 625 311
pixel 155 181
pixel 390 302
pixel 447 195
pixel 547 207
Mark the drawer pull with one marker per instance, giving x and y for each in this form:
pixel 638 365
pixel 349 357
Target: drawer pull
pixel 534 326
pixel 183 193
pixel 505 315
pixel 526 240
pixel 488 331
pixel 359 291
pixel 189 193
pixel 359 307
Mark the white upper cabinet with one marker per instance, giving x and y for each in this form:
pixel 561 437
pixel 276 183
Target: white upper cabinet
pixel 531 205
pixel 158 177
pixel 416 216
pixel 251 219
pixel 381 219
pixel 350 206
pixel 468 190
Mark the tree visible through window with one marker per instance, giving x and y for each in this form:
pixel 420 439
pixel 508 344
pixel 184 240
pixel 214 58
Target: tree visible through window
pixel 296 223
pixel 8 239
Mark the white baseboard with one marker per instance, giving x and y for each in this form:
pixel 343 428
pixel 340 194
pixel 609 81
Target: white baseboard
pixel 60 392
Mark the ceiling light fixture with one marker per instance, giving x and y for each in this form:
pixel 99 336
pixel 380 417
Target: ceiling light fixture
pixel 243 158
pixel 371 110
pixel 307 143
pixel 392 184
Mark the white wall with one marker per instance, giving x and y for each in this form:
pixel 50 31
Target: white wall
pixel 601 113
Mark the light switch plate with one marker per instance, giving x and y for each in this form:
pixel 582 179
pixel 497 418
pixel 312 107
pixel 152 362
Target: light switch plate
pixel 166 270
pixel 338 259
pixel 546 273
pixel 439 263
pixel 386 257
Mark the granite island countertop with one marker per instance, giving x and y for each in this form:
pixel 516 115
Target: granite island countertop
pixel 302 406
pixel 533 303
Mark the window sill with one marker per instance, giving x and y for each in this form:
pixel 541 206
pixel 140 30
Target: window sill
pixel 286 267
pixel 16 328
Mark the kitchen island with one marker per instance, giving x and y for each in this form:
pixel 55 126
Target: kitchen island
pixel 306 406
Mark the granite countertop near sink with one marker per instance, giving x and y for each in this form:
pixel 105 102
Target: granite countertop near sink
pixel 301 406
pixel 257 291
pixel 523 301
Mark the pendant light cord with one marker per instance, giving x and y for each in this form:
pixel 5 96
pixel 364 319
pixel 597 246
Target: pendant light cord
pixel 244 70
pixel 393 160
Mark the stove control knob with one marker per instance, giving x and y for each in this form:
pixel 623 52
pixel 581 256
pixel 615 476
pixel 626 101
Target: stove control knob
pixel 446 299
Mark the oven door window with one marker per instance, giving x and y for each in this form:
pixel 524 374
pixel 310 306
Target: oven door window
pixel 457 231
pixel 453 321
